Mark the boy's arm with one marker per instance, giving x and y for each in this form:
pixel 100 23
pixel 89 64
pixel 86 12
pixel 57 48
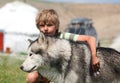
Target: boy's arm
pixel 89 39
pixel 92 44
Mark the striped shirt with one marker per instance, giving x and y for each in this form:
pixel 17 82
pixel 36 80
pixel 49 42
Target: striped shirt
pixel 68 36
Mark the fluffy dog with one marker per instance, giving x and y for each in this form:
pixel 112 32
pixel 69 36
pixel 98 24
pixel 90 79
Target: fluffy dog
pixel 63 61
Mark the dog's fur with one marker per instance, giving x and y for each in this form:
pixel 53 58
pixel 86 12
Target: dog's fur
pixel 63 61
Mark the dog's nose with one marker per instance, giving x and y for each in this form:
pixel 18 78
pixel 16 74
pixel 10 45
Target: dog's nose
pixel 21 67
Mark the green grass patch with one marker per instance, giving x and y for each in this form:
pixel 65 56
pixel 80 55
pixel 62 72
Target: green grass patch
pixel 10 70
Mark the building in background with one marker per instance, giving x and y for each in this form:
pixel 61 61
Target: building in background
pixel 17 20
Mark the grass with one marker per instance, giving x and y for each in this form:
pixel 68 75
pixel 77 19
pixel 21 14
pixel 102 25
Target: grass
pixel 10 70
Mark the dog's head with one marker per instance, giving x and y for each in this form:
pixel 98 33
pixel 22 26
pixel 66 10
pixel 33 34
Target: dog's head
pixel 35 58
pixel 47 51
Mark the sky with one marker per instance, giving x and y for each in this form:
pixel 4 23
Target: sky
pixel 88 1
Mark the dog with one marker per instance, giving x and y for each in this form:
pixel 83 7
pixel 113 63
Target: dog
pixel 63 61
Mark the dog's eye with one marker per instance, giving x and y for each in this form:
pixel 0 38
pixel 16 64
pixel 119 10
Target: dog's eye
pixel 38 52
pixel 30 54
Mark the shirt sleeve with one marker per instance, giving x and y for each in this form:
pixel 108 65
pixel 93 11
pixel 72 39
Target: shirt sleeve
pixel 69 36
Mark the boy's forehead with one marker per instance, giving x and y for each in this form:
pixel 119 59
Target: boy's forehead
pixel 46 22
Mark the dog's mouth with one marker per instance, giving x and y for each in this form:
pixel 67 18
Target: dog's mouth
pixel 32 68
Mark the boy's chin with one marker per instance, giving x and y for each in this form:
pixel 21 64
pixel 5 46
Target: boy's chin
pixel 49 35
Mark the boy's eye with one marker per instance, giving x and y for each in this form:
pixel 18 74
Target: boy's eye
pixel 49 25
pixel 41 25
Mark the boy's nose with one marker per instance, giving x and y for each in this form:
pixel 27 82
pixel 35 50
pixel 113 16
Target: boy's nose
pixel 46 28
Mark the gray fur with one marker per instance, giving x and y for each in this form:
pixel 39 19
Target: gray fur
pixel 63 61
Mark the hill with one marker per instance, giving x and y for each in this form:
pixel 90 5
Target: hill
pixel 106 17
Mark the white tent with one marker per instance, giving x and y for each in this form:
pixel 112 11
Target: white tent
pixel 116 43
pixel 17 17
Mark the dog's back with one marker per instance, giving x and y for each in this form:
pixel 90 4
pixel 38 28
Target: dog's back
pixel 81 64
pixel 79 68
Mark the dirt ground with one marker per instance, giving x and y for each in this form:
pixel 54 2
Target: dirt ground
pixel 106 17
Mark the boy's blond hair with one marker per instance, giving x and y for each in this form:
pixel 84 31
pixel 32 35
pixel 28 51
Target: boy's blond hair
pixel 47 16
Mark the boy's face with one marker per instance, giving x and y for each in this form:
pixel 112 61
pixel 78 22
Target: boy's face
pixel 48 29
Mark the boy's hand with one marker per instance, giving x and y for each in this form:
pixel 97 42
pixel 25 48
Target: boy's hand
pixel 96 69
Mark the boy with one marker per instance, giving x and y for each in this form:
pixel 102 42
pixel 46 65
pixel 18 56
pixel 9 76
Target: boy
pixel 48 22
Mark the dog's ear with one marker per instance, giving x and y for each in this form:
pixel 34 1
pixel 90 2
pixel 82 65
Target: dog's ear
pixel 42 41
pixel 30 40
pixel 42 38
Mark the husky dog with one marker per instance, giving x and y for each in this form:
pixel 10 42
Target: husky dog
pixel 63 61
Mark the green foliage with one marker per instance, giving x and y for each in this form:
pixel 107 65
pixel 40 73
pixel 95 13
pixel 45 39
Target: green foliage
pixel 10 70
pixel 23 53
